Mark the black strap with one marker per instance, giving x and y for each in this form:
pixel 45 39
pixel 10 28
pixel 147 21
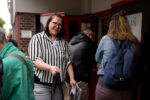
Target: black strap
pixel 57 82
pixel 20 58
pixel 122 45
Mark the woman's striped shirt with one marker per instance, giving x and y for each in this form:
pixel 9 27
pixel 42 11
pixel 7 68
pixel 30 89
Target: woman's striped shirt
pixel 54 54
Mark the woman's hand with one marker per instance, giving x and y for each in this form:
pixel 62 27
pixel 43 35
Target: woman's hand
pixel 44 66
pixel 73 83
pixel 54 70
pixel 71 75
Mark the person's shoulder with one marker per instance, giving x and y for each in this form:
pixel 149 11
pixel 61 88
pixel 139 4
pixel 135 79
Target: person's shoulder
pixel 63 40
pixel 38 34
pixel 106 37
pixel 14 61
pixel 14 40
pixel 132 45
pixel 11 63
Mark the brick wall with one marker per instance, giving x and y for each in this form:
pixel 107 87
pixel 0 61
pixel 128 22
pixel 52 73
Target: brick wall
pixel 24 21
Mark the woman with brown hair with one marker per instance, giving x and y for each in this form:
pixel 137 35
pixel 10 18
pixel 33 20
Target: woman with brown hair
pixel 49 52
pixel 119 30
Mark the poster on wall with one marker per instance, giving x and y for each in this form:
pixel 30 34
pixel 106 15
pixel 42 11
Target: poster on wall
pixel 26 33
pixel 135 22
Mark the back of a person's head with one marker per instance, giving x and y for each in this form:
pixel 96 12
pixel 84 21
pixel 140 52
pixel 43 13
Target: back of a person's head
pixel 90 33
pixel 88 30
pixel 119 27
pixel 2 36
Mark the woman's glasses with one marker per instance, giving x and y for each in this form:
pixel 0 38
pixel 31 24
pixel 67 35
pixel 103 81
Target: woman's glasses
pixel 55 23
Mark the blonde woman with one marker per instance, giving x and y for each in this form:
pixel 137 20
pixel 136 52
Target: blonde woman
pixel 119 30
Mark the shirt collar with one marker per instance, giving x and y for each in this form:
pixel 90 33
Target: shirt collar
pixel 44 35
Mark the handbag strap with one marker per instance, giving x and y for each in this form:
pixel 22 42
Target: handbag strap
pixel 57 82
pixel 20 58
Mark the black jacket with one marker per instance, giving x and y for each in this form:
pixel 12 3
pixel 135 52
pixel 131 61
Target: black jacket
pixel 82 51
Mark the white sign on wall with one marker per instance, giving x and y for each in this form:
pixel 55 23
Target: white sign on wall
pixel 135 22
pixel 26 33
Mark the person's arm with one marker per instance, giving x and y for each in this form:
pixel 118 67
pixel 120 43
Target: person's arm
pixel 71 75
pixel 99 52
pixel 44 66
pixel 35 54
pixel 70 68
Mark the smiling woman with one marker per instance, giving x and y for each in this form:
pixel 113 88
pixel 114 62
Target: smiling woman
pixel 50 54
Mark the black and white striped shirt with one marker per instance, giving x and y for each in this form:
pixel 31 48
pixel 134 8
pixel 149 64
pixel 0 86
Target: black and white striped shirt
pixel 54 54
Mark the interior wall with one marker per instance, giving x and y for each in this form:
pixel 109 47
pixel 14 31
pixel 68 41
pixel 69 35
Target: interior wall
pixel 71 7
pixel 101 5
pixel 46 6
pixel 85 6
